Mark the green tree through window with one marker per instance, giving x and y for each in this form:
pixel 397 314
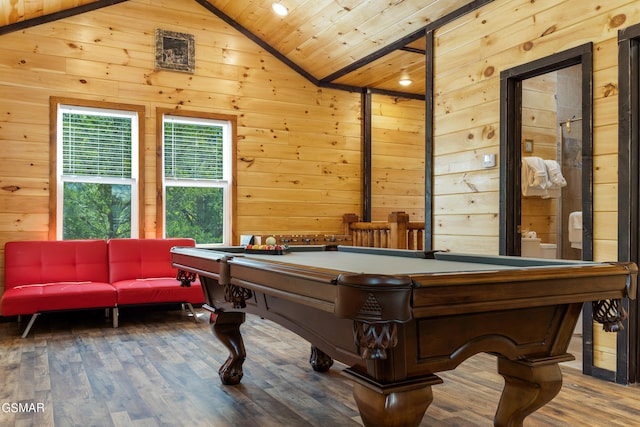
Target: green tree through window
pixel 96 211
pixel 195 212
pixel 196 178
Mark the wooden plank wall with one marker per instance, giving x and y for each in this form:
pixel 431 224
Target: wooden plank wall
pixel 397 157
pixel 299 146
pixel 470 53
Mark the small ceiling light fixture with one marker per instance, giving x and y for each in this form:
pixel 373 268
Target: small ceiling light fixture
pixel 405 81
pixel 280 9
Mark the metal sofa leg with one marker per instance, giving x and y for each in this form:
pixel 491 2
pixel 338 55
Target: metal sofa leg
pixel 193 312
pixel 30 324
pixel 115 317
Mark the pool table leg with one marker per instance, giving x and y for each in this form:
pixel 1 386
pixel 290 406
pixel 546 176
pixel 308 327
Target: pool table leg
pixel 227 328
pixel 401 404
pixel 396 408
pixel 529 385
pixel 319 360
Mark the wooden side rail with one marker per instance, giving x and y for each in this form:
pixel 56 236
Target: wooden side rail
pixel 415 235
pixel 396 233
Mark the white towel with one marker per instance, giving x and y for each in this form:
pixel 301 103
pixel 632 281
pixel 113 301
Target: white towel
pixel 575 229
pixel 535 180
pixel 555 174
pixel 555 177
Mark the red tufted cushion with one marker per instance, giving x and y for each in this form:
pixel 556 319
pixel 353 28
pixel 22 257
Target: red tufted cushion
pixel 142 258
pixel 157 290
pixel 55 261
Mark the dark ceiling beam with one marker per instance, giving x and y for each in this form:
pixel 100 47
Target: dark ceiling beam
pixel 403 42
pixel 414 50
pixel 27 23
pixel 399 44
pixel 387 92
pixel 320 83
pixel 257 40
pixel 396 94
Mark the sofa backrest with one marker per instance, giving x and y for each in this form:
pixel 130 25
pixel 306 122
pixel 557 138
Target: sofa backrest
pixel 143 258
pixel 35 262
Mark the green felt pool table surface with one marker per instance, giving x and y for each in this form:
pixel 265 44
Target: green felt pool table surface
pixel 386 261
pixel 347 259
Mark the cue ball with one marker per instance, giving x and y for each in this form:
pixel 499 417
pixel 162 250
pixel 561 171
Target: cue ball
pixel 271 241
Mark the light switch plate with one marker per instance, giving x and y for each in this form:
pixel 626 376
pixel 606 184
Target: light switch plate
pixel 489 161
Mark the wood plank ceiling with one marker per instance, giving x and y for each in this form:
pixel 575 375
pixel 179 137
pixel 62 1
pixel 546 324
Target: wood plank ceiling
pixel 351 43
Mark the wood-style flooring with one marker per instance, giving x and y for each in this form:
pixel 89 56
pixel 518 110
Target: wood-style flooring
pixel 159 368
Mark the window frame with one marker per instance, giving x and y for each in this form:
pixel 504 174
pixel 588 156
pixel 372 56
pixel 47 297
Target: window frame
pixel 55 190
pixel 230 211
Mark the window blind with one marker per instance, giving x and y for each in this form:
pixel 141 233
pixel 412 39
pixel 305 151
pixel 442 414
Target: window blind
pixel 193 151
pixel 97 146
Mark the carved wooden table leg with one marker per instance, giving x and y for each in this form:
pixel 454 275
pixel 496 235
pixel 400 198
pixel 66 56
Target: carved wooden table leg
pixel 397 408
pixel 400 404
pixel 529 385
pixel 319 360
pixel 227 329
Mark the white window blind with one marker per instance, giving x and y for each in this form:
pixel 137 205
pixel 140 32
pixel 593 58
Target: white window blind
pixel 193 150
pixel 96 146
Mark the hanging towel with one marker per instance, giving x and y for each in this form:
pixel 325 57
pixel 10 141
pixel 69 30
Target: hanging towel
pixel 555 174
pixel 555 178
pixel 575 230
pixel 535 180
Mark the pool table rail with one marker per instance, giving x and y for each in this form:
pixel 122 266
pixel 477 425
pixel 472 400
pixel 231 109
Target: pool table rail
pixel 485 291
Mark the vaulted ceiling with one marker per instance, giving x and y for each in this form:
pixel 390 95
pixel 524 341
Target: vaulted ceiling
pixel 351 43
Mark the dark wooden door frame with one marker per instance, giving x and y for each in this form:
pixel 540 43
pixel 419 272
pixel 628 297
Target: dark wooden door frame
pixel 428 143
pixel 511 158
pixel 629 189
pixel 367 143
pixel 510 151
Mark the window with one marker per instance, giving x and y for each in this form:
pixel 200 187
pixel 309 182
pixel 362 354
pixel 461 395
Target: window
pixel 197 171
pixel 96 169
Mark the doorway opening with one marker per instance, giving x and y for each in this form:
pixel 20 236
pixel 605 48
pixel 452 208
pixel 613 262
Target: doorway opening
pixel 551 132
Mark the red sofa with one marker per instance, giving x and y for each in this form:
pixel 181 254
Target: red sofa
pixel 60 275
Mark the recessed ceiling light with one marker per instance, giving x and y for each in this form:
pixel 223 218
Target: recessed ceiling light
pixel 280 9
pixel 405 82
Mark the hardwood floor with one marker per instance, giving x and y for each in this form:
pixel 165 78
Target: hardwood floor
pixel 160 369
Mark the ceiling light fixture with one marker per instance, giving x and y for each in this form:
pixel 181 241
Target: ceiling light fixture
pixel 280 9
pixel 405 82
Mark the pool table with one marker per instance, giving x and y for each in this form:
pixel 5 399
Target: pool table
pixel 398 317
